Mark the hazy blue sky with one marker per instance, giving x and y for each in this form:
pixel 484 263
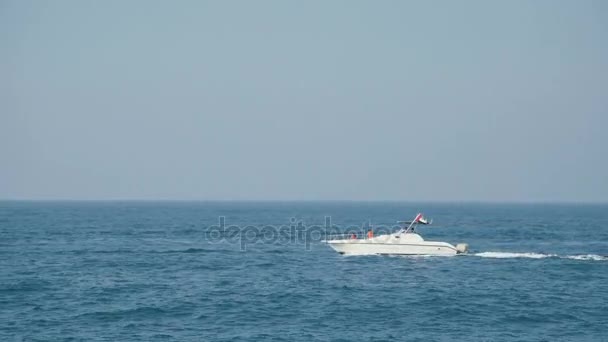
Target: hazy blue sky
pixel 362 100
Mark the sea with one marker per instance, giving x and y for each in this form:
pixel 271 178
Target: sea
pixel 260 271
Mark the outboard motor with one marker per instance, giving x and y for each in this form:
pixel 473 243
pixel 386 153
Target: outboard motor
pixel 462 248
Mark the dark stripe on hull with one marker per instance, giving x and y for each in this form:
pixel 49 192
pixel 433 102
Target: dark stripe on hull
pixel 389 254
pixel 384 254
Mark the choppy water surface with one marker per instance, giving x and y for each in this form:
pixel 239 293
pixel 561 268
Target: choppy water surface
pixel 160 271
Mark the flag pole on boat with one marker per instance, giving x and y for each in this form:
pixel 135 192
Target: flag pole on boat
pixel 418 217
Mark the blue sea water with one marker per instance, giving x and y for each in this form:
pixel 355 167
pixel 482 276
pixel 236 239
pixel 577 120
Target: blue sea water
pixel 167 271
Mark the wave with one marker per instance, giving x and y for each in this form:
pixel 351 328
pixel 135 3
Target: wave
pixel 508 255
pixel 189 250
pixel 587 257
pixel 144 312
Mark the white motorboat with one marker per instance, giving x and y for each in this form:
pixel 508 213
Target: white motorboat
pixel 404 242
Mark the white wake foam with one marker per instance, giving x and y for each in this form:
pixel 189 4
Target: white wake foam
pixel 588 257
pixel 506 255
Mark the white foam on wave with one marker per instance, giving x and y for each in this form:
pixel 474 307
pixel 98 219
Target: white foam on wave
pixel 507 255
pixel 588 257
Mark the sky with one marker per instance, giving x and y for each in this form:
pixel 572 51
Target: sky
pixel 304 100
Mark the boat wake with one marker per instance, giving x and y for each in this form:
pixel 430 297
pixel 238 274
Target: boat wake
pixel 508 255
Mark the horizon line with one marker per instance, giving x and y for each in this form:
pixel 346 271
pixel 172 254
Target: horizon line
pixel 409 201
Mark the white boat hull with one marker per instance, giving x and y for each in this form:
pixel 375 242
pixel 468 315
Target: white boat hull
pixel 397 244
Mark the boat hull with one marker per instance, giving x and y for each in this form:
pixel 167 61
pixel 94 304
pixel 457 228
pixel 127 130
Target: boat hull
pixel 367 247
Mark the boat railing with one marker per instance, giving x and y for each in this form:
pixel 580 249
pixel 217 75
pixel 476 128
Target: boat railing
pixel 346 236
